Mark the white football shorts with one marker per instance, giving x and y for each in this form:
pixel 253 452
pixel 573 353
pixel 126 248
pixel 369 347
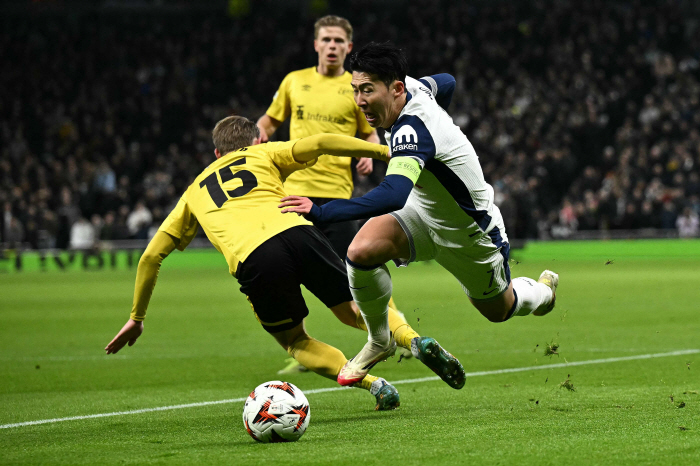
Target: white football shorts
pixel 480 266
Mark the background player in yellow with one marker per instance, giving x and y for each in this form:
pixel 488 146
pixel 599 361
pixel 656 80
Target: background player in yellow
pixel 318 100
pixel 271 254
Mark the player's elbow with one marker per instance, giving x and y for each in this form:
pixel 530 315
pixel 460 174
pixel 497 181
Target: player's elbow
pixel 397 189
pixel 153 256
pixel 150 258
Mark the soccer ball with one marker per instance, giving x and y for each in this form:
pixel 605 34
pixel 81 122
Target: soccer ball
pixel 276 411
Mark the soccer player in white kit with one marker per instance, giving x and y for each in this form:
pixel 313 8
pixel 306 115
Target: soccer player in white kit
pixel 433 204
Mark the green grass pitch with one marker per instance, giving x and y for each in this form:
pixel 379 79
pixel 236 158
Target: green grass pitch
pixel 201 343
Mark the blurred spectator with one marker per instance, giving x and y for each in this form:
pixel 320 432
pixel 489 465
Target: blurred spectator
pixel 111 230
pixel 15 233
pixel 48 230
pixel 82 234
pixel 6 220
pixel 68 214
pixel 584 115
pixel 688 224
pixel 105 179
pixel 139 221
pixel 668 216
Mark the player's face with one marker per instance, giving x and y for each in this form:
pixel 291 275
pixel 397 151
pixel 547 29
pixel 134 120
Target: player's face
pixel 375 99
pixel 332 46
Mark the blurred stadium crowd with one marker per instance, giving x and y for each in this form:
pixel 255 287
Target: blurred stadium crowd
pixel 585 115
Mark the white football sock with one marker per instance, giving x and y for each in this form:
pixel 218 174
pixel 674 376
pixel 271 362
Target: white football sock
pixel 371 290
pixel 530 295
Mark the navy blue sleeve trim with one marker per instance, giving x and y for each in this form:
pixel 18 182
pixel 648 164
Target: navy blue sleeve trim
pixel 442 86
pixel 410 137
pixel 389 196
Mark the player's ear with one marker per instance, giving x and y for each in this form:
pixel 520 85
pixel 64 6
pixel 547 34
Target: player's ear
pixel 349 47
pixel 399 88
pixel 257 141
pixel 316 45
pixel 217 153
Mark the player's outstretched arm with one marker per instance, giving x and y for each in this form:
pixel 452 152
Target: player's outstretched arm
pixel 158 249
pixel 128 334
pixel 389 196
pixel 267 126
pixel 311 147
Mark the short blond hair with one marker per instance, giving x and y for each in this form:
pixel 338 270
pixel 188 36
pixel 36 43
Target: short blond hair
pixel 233 133
pixel 333 21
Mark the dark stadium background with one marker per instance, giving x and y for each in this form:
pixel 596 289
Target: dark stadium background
pixel 584 114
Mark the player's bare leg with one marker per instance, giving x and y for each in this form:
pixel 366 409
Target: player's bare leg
pixel 524 296
pixel 327 361
pixel 380 240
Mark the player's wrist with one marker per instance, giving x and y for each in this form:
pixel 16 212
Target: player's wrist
pixel 315 213
pixel 384 154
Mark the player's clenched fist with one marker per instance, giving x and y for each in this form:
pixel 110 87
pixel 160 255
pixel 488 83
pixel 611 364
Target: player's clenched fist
pixel 128 334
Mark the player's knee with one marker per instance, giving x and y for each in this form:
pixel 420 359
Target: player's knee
pixel 288 339
pixel 346 313
pixel 496 317
pixel 294 341
pixel 149 258
pixel 361 252
pixel 494 314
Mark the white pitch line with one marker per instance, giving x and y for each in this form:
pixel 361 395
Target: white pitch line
pixel 335 389
pixel 143 356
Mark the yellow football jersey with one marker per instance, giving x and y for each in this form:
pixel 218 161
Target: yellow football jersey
pixel 319 104
pixel 235 201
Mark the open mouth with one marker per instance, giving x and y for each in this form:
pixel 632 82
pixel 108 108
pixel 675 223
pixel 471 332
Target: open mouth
pixel 332 57
pixel 370 117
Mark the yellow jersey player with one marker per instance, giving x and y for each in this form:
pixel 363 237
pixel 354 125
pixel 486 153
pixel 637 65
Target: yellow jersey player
pixel 319 100
pixel 235 201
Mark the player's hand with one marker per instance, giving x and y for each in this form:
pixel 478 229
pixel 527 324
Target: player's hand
pixel 298 204
pixel 263 135
pixel 128 334
pixel 364 166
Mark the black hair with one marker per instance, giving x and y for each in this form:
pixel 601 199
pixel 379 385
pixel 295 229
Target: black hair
pixel 385 61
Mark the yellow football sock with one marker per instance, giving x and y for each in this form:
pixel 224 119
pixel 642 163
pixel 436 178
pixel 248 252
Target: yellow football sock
pixel 366 383
pixel 392 304
pixel 403 333
pixel 361 322
pixel 317 356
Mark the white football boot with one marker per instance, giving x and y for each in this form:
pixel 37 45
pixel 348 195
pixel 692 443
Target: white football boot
pixel 550 279
pixel 357 368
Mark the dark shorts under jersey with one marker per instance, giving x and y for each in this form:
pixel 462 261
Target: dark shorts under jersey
pixel 339 234
pixel 272 274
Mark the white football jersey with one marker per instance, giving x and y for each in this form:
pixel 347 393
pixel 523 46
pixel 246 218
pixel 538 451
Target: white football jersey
pixel 454 199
